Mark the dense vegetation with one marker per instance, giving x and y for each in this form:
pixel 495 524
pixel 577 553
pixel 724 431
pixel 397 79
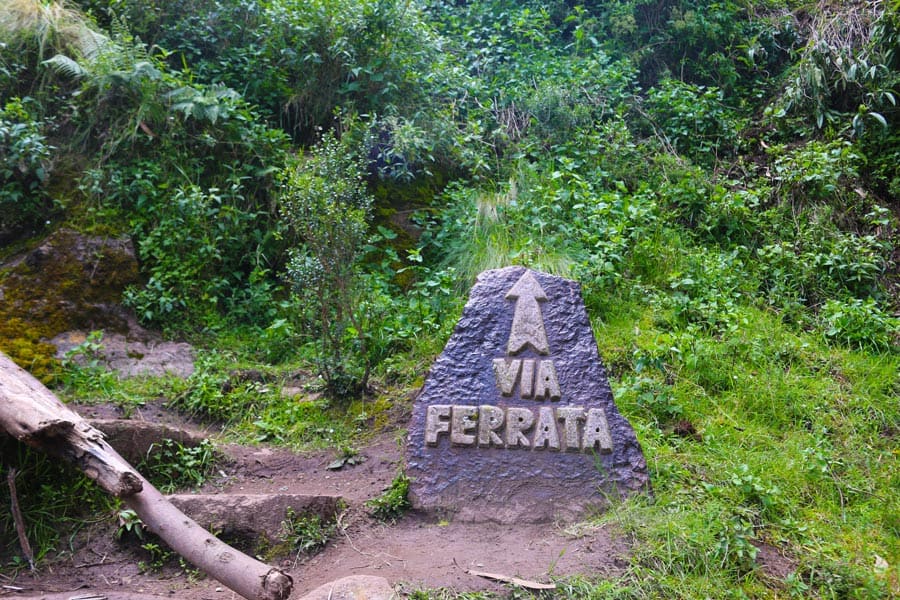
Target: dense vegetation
pixel 315 184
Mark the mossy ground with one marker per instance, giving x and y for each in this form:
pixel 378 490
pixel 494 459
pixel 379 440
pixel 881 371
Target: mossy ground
pixel 67 281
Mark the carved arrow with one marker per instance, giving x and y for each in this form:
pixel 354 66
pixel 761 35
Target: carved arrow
pixel 528 322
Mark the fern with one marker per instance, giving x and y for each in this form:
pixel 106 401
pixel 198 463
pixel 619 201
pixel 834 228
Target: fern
pixel 66 66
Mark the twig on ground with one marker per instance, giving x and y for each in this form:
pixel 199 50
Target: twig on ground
pixel 378 556
pixel 17 517
pixel 524 583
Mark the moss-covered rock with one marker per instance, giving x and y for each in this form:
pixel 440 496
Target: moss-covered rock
pixel 69 281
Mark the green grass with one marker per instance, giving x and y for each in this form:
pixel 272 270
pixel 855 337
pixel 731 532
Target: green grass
pixel 235 387
pixel 795 449
pixel 56 502
pixel 795 452
pixel 743 294
pixel 792 447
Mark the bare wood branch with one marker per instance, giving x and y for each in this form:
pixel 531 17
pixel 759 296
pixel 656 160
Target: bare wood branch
pixel 17 518
pixel 32 414
pixel 245 575
pixel 531 585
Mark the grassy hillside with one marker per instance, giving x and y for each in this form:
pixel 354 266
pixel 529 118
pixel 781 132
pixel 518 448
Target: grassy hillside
pixel 311 187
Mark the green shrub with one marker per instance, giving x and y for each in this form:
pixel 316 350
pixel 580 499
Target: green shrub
pixel 709 290
pixel 845 76
pixel 24 160
pixel 820 263
pixel 731 216
pixel 196 249
pixel 307 533
pixel 297 61
pixel 209 392
pixel 81 371
pixel 654 397
pixel 393 501
pixel 730 45
pixel 199 199
pixel 326 206
pixel 694 120
pixel 171 466
pixel 33 31
pixel 816 171
pixel 860 323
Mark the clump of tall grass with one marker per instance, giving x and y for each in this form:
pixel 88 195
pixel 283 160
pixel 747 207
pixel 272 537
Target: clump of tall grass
pixel 45 29
pixel 497 230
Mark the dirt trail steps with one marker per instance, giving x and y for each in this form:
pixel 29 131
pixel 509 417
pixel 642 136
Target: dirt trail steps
pixel 250 495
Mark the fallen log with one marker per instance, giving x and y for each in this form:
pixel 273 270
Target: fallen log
pixel 30 413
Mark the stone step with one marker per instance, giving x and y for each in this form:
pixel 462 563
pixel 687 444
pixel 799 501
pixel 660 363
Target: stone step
pixel 250 516
pixel 133 439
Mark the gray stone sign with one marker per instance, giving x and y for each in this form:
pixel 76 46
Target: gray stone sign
pixel 516 420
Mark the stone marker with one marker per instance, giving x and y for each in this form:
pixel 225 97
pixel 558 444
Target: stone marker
pixel 516 421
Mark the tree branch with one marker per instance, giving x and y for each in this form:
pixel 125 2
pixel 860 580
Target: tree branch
pixel 31 413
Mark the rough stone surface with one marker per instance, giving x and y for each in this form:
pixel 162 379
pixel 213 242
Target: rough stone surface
pixel 72 281
pixel 133 439
pixel 251 516
pixel 490 441
pixel 139 352
pixel 357 587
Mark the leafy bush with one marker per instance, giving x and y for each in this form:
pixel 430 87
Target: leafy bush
pixel 197 190
pixel 117 93
pixel 33 31
pixel 297 61
pixel 733 46
pixel 172 466
pixel 308 533
pixel 818 264
pixel 709 290
pixel 24 160
pixel 860 323
pixel 210 394
pixel 845 76
pixel 815 171
pixel 81 371
pixel 393 501
pixel 655 398
pixel 197 249
pixel 694 119
pixel 325 204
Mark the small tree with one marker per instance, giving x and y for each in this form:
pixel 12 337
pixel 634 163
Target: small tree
pixel 325 202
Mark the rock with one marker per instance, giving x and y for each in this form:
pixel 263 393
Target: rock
pixel 38 257
pixel 292 392
pixel 72 284
pixel 356 587
pixel 250 516
pixel 139 353
pixel 72 281
pixel 516 420
pixel 133 439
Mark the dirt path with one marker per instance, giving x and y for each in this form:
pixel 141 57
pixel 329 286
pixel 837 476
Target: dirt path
pixel 420 553
pixel 414 552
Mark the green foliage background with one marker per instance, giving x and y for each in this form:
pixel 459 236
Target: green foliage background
pixel 312 187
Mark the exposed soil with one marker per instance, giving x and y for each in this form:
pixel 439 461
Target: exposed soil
pixel 415 552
